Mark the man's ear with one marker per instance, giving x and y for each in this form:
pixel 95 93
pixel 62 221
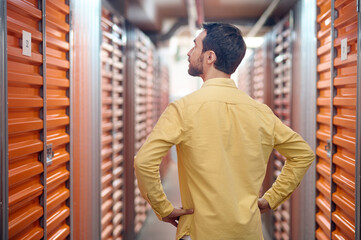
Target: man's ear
pixel 211 57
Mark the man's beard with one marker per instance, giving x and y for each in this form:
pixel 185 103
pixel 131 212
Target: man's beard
pixel 197 69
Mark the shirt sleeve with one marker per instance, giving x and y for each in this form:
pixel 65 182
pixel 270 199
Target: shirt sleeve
pixel 167 132
pixel 299 157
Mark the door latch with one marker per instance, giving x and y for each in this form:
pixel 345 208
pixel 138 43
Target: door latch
pixel 49 154
pixel 328 148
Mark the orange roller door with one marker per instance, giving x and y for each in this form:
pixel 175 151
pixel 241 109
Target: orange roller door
pixel 106 126
pixel 25 121
pixel 344 119
pixel 118 128
pixel 141 116
pixel 323 185
pixel 282 108
pixel 58 119
pixel 336 151
pixel 258 75
pixel 150 96
pixel 112 181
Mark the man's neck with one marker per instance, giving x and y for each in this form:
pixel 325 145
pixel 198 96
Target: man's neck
pixel 214 74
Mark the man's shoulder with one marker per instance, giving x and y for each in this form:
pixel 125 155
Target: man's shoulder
pixel 262 107
pixel 190 98
pixel 201 96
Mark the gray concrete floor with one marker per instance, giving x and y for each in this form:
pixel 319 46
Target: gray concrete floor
pixel 154 229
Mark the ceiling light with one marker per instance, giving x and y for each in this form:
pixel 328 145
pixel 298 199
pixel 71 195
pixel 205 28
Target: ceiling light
pixel 253 42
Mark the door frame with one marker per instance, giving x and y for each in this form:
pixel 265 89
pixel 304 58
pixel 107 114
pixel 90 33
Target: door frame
pixel 4 213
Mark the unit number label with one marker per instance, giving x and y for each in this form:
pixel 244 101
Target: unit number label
pixel 344 49
pixel 26 43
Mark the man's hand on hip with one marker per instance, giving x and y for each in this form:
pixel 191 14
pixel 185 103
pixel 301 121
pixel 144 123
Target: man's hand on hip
pixel 173 217
pixel 263 205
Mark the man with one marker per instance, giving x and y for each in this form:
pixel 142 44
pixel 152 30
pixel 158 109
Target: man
pixel 224 139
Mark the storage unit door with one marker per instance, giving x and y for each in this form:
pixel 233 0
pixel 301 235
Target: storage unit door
pixel 25 120
pixel 150 97
pixel 107 126
pixel 344 120
pixel 323 185
pixel 141 93
pixel 337 88
pixel 118 127
pixel 258 75
pixel 112 180
pixel 58 119
pixel 282 102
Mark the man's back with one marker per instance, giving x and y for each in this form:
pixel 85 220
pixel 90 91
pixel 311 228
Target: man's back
pixel 222 161
pixel 224 139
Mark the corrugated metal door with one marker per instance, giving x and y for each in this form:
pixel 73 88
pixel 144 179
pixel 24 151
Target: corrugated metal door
pixel 344 120
pixel 57 115
pixel 140 81
pixel 38 120
pixel 282 108
pixel 107 126
pixel 323 185
pixel 258 75
pixel 337 87
pixel 150 98
pixel 25 121
pixel 112 127
pixel 118 127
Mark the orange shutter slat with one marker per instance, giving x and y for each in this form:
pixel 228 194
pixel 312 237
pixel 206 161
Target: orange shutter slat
pixel 323 193
pixel 58 119
pixel 25 123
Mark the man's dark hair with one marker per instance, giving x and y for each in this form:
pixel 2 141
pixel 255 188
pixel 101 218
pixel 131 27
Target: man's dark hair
pixel 227 42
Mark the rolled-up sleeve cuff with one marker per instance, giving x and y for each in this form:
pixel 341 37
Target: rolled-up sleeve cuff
pixel 161 210
pixel 273 201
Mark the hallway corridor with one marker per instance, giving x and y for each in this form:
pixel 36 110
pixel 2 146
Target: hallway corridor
pixel 84 82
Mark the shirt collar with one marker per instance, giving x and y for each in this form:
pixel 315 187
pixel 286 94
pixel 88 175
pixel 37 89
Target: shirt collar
pixel 223 82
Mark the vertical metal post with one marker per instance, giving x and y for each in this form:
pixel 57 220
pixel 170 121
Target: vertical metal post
pixel 291 27
pixel 129 133
pixel 43 155
pixel 333 113
pixel 358 133
pixel 97 126
pixel 70 112
pixel 4 212
pixel 290 93
pixel 317 26
pixel 86 118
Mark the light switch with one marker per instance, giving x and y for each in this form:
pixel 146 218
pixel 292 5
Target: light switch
pixel 344 49
pixel 26 43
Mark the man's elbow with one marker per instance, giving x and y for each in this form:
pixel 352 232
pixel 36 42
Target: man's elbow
pixel 138 164
pixel 311 156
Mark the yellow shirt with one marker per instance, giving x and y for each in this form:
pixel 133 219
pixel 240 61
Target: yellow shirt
pixel 224 139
